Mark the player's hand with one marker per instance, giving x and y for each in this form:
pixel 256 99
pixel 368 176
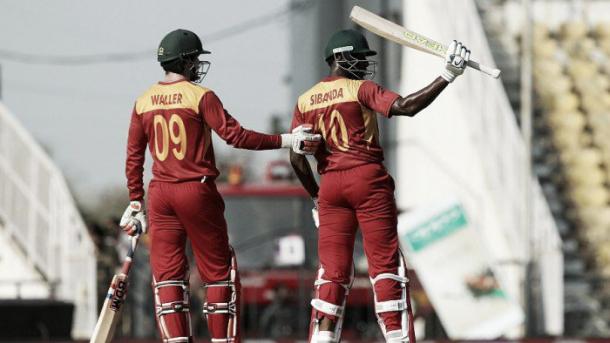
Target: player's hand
pixel 315 214
pixel 456 60
pixel 133 221
pixel 301 140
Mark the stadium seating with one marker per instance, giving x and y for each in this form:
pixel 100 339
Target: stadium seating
pixel 572 85
pixel 571 137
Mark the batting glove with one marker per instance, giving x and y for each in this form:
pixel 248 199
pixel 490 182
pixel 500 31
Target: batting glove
pixel 301 140
pixel 314 213
pixel 456 59
pixel 133 221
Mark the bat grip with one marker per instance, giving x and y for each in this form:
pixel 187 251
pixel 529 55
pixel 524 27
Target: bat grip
pixel 493 72
pixel 132 246
pixel 129 257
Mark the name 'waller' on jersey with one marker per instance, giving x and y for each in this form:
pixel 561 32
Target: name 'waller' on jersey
pixel 166 99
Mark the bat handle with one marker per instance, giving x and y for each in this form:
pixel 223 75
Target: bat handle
pixel 132 245
pixel 129 258
pixel 493 72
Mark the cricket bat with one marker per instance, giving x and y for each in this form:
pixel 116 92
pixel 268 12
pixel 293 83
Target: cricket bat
pixel 401 35
pixel 115 298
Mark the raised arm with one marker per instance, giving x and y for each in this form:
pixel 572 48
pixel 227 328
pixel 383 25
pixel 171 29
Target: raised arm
pixel 455 63
pixel 413 103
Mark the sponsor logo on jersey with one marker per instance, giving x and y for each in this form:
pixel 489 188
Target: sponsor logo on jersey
pixel 166 99
pixel 326 97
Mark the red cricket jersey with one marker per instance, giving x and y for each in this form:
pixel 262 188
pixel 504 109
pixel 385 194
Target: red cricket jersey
pixel 343 112
pixel 175 119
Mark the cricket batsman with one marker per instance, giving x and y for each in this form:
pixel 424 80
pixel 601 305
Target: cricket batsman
pixel 356 189
pixel 175 119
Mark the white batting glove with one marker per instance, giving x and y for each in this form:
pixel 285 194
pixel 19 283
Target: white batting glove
pixel 314 213
pixel 301 140
pixel 133 221
pixel 455 61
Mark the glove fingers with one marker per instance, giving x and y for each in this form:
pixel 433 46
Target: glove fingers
pixel 313 138
pixel 302 128
pixel 129 228
pixel 458 48
pixel 450 50
pixel 467 57
pixel 307 144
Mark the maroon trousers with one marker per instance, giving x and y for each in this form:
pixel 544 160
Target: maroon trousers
pixel 194 210
pixel 361 196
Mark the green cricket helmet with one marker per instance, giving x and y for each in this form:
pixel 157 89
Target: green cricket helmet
pixel 350 49
pixel 179 44
pixel 344 39
pixel 178 52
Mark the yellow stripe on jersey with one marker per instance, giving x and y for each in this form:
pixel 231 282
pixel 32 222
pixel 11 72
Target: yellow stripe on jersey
pixel 171 96
pixel 371 130
pixel 325 94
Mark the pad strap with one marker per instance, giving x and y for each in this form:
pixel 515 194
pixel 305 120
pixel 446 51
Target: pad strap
pixel 390 306
pixel 396 336
pixel 327 308
pixel 390 276
pixel 323 337
pixel 177 340
pixel 219 308
pixel 320 282
pixel 172 283
pixel 223 340
pixel 219 284
pixel 173 307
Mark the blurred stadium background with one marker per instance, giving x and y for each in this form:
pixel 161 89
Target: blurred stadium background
pixel 503 187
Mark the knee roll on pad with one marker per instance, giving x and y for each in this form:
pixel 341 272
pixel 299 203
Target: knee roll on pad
pixel 402 305
pixel 321 307
pixel 229 307
pixel 171 297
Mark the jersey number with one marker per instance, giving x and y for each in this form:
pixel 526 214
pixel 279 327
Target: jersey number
pixel 168 132
pixel 339 139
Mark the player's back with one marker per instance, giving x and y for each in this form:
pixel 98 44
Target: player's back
pixel 343 111
pixel 178 137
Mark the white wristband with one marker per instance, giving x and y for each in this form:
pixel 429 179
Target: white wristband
pixel 448 76
pixel 287 140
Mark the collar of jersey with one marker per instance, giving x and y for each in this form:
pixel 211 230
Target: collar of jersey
pixel 332 78
pixel 171 83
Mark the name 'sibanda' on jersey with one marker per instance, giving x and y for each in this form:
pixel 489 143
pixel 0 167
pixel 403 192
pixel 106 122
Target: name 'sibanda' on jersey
pixel 166 99
pixel 324 97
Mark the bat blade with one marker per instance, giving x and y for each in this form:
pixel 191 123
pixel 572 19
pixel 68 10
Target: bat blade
pixel 396 33
pixel 111 310
pixel 115 298
pixel 399 34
